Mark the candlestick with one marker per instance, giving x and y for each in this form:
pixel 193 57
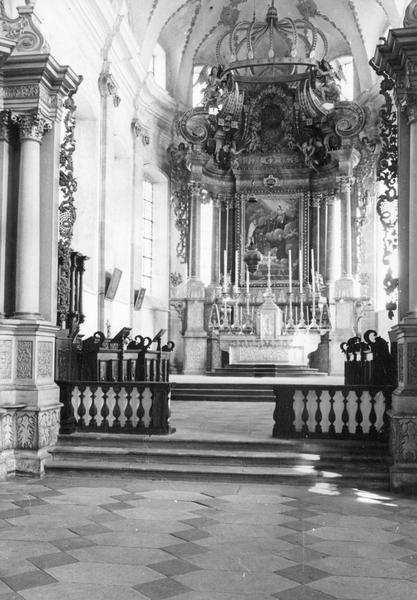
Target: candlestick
pixel 269 270
pixel 237 268
pixel 300 267
pixel 289 271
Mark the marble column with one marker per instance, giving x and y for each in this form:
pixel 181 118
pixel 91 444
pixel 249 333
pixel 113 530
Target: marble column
pixel 403 212
pixel 195 228
pixel 4 197
pixel 316 203
pixel 346 229
pixel 31 131
pixel 215 244
pixel 332 266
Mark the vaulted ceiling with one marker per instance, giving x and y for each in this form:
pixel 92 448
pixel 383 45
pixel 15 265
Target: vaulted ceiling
pixel 188 30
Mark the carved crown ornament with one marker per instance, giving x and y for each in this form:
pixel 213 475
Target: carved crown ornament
pixel 273 93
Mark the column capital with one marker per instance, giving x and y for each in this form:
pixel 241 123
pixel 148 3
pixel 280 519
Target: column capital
pixel 345 183
pixel 316 199
pixel 32 126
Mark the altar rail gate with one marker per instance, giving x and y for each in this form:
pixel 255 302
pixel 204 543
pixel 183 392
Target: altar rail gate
pixel 332 411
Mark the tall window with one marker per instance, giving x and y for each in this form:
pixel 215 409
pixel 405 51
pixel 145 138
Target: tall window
pixel 158 65
pixel 147 238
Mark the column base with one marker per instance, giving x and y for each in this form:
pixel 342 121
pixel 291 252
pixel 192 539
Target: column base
pixel 27 316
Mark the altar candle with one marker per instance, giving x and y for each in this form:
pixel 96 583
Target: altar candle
pixel 247 281
pixel 300 265
pixel 225 269
pixel 313 277
pixel 290 271
pixel 236 267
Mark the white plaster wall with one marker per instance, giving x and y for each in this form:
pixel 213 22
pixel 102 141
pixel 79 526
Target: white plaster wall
pixel 78 32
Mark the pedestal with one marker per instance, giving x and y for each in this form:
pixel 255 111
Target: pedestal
pixel 403 416
pixel 195 337
pixel 29 397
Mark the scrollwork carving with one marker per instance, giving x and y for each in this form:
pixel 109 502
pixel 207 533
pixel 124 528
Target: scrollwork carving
pixel 349 119
pixel 193 125
pixel 28 37
pixel 387 173
pixel 410 17
pixel 108 86
pixel 66 210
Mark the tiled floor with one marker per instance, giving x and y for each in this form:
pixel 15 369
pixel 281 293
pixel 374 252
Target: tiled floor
pixel 129 539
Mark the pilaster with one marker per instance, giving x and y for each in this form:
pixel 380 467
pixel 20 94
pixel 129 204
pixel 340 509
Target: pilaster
pixel 396 59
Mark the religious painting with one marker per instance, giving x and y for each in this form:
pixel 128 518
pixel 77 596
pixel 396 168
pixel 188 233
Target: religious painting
pixel 272 224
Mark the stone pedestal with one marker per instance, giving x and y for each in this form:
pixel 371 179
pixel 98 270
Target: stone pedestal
pixel 195 337
pixel 403 416
pixel 29 397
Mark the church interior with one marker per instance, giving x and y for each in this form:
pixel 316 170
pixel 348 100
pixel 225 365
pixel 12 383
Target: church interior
pixel 207 272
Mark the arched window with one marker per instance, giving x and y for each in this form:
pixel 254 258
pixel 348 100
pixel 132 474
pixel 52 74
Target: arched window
pixel 158 66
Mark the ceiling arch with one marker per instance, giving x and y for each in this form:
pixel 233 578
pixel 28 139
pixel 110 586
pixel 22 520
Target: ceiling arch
pixel 188 30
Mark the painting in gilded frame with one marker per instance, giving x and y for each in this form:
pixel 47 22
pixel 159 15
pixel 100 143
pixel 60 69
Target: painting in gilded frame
pixel 273 224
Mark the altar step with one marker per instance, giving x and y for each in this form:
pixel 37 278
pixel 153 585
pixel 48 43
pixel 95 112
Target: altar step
pixel 265 370
pixel 222 392
pixel 273 461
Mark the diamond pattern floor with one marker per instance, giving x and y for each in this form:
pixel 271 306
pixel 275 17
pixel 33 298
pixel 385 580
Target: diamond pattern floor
pixel 126 539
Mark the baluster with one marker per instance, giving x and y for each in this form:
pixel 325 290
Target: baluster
pixel 359 415
pixel 116 408
pixel 81 408
pixel 318 416
pixel 104 409
pixel 93 409
pixel 387 406
pixel 332 414
pixel 372 416
pixel 140 426
pixel 305 415
pixel 345 413
pixel 128 408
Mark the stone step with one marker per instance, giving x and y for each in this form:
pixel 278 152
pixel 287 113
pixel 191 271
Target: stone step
pixel 348 449
pixel 290 475
pixel 300 461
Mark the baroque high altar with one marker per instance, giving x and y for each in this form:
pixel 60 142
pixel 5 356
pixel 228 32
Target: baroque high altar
pixel 283 160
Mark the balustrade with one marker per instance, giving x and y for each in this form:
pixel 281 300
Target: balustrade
pixel 120 407
pixel 330 411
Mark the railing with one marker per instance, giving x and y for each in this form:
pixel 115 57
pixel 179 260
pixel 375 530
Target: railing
pixel 134 366
pixel 125 407
pixel 330 411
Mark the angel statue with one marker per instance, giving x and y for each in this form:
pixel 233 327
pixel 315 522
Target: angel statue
pixel 326 82
pixel 216 84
